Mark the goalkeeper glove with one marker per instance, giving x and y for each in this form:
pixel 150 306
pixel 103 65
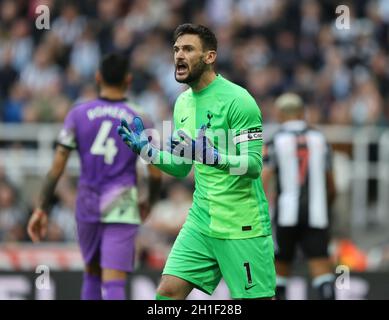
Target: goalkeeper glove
pixel 201 150
pixel 136 138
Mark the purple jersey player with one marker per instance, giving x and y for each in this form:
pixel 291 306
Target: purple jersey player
pixel 107 210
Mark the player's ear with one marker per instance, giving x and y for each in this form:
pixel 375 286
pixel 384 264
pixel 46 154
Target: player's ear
pixel 98 77
pixel 210 57
pixel 128 79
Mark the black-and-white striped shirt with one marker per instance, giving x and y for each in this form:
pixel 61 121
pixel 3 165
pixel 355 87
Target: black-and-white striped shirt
pixel 300 157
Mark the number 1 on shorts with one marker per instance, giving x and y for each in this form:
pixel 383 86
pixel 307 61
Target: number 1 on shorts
pixel 247 266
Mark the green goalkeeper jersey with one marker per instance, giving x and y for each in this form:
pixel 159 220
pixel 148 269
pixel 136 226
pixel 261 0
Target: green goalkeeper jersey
pixel 229 201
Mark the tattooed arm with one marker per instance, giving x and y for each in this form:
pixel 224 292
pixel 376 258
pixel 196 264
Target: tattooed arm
pixel 37 225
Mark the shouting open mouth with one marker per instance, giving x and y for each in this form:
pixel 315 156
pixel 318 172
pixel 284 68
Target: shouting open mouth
pixel 181 68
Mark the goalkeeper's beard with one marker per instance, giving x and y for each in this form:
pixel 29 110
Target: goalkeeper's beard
pixel 193 76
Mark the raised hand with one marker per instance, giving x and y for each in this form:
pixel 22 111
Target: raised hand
pixel 136 138
pixel 201 149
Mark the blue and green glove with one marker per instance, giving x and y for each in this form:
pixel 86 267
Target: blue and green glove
pixel 136 138
pixel 201 149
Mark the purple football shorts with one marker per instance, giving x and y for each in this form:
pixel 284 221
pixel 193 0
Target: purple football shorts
pixel 110 244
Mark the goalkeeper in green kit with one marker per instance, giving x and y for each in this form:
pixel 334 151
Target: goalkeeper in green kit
pixel 218 130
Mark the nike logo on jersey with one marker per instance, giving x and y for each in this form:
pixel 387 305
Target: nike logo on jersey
pixel 249 287
pixel 183 119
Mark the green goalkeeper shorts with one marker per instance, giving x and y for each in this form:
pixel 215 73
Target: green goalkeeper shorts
pixel 246 265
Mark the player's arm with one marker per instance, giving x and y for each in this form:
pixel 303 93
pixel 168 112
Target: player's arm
pixel 331 188
pixel 201 149
pixel 154 188
pixel 245 119
pixel 172 165
pixel 37 225
pixel 248 163
pixel 138 142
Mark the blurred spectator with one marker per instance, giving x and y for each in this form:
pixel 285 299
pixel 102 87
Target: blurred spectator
pixel 366 103
pixel 12 216
pixel 8 13
pixel 220 12
pixel 143 15
pixel 72 83
pixel 18 46
pixel 14 105
pixel 286 55
pixel 259 13
pixel 85 55
pixel 108 13
pixel 304 80
pixel 41 74
pixel 49 106
pixel 383 9
pixel 21 43
pixel 70 25
pixel 123 38
pixel 337 73
pixel 162 226
pixel 379 65
pixel 310 18
pixel 8 74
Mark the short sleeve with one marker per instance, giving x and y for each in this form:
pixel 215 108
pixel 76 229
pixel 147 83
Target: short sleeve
pixel 67 135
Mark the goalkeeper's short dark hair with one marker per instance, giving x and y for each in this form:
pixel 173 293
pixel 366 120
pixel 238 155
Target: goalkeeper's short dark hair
pixel 207 37
pixel 114 68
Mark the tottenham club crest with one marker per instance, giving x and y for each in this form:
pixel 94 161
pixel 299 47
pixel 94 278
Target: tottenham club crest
pixel 209 116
